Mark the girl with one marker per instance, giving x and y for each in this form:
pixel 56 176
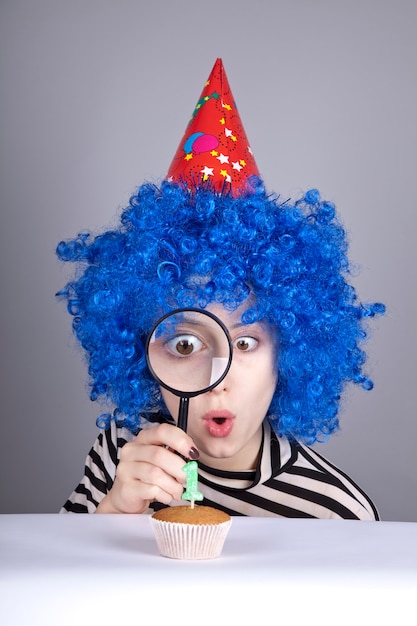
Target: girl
pixel 275 273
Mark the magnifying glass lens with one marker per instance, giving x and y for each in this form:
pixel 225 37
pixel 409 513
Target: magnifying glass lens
pixel 189 351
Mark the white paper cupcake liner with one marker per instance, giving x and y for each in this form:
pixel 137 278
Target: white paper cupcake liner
pixel 190 541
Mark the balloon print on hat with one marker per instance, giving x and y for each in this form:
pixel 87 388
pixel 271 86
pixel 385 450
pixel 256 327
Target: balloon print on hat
pixel 200 142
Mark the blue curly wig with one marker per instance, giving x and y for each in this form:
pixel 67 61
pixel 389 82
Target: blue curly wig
pixel 177 247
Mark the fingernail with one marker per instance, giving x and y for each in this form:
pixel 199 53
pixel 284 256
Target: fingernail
pixel 194 454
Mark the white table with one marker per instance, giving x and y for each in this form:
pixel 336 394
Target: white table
pixel 105 569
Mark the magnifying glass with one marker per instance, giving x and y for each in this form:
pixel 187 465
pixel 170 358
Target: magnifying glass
pixel 188 352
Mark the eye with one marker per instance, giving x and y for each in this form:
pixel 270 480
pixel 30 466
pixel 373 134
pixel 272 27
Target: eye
pixel 245 344
pixel 184 345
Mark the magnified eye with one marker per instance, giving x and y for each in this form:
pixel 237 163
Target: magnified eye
pixel 245 344
pixel 184 345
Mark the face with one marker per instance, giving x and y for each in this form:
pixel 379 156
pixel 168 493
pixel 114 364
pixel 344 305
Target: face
pixel 226 422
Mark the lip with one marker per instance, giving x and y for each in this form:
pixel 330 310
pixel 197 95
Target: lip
pixel 217 428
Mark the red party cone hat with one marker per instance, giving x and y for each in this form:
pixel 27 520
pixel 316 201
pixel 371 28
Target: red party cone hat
pixel 214 148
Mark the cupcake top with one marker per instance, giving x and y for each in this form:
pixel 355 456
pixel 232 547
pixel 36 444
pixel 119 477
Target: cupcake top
pixel 187 515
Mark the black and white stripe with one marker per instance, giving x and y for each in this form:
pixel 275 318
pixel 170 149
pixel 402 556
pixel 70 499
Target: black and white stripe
pixel 291 480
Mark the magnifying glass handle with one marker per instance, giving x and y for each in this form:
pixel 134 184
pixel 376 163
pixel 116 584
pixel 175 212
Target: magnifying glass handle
pixel 183 414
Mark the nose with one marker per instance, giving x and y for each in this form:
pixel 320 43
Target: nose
pixel 219 389
pixel 224 385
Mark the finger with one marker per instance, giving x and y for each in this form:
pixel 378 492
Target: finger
pixel 170 436
pixel 135 497
pixel 159 456
pixel 144 477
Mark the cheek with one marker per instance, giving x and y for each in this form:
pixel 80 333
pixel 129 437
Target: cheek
pixel 268 379
pixel 268 384
pixel 273 384
pixel 172 402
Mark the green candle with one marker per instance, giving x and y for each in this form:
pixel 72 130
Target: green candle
pixel 191 487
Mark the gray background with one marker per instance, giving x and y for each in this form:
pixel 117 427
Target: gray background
pixel 95 96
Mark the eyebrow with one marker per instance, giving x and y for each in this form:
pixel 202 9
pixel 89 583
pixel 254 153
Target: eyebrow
pixel 194 322
pixel 242 325
pixel 239 325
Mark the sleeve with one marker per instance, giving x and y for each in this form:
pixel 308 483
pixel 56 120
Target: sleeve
pixel 99 471
pixel 343 498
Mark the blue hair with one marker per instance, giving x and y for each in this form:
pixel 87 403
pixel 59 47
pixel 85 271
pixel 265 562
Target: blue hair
pixel 177 247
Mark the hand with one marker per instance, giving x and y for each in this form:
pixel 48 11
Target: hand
pixel 149 470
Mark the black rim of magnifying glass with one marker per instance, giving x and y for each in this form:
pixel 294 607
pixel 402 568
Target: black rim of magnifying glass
pixel 185 396
pixel 188 394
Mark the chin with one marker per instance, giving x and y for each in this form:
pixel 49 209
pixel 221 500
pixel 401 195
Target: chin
pixel 217 450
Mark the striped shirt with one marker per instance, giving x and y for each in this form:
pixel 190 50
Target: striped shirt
pixel 291 480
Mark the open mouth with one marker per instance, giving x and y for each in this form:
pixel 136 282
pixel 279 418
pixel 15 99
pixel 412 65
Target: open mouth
pixel 219 424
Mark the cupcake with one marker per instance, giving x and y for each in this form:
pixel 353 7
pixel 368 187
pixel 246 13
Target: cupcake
pixel 185 532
